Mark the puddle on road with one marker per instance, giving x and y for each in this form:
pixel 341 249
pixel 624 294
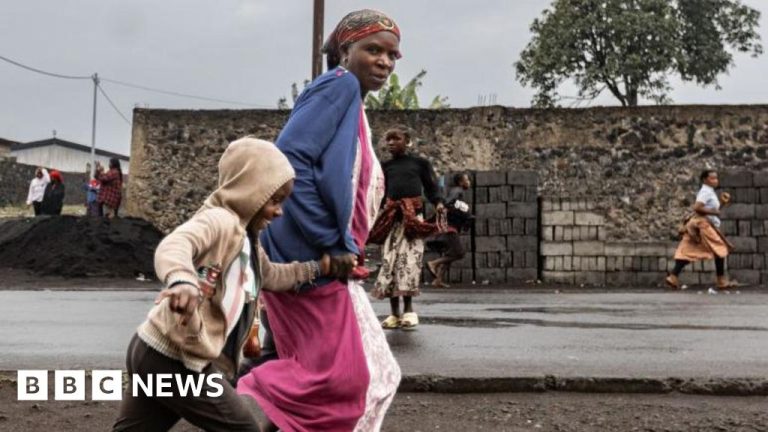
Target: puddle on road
pixel 559 310
pixel 512 322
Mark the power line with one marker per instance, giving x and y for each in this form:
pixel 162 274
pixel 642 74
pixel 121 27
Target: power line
pixel 173 93
pixel 72 77
pixel 113 105
pixel 137 86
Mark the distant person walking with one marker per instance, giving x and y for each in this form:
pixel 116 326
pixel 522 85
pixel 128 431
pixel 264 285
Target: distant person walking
pixel 701 235
pixel 53 198
pixel 400 227
pixel 449 243
pixel 111 192
pixel 37 189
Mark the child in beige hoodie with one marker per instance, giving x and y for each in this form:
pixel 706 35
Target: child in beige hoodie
pixel 193 324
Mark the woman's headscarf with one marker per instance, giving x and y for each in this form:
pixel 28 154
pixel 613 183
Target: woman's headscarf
pixel 353 27
pixel 56 176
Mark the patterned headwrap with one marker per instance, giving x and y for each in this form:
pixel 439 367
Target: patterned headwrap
pixel 353 27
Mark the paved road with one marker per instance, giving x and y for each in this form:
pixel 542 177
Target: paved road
pixel 464 333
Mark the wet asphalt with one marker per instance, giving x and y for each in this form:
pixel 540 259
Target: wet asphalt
pixel 463 333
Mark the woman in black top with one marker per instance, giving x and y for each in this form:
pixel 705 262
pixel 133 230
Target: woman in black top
pixel 53 198
pixel 401 229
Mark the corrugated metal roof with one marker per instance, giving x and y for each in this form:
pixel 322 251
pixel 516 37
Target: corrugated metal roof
pixel 67 144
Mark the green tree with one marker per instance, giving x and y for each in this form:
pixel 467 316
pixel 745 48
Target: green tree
pixel 631 47
pixel 394 96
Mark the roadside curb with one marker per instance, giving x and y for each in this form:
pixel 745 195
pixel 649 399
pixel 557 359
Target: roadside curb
pixel 465 385
pixel 693 386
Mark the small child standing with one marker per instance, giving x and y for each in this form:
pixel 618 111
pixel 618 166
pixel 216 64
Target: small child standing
pixel 194 323
pixel 93 208
pixel 400 227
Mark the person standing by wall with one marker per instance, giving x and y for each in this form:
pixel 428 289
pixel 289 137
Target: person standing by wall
pixel 53 198
pixel 37 189
pixel 701 235
pixel 460 219
pixel 400 227
pixel 111 192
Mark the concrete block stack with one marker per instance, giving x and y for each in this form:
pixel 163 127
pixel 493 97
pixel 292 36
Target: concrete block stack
pixel 745 223
pixel 572 241
pixel 575 250
pixel 506 226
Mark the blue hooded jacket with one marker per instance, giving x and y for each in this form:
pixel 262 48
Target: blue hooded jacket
pixel 320 141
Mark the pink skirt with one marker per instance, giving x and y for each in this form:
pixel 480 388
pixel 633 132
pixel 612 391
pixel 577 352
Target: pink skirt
pixel 320 380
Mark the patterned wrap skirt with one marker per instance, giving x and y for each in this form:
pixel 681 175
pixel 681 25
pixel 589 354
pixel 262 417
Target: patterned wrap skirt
pixel 401 259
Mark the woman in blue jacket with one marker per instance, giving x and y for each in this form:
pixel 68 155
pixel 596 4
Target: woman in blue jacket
pixel 334 369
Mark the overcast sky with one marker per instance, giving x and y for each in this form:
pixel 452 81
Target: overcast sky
pixel 252 50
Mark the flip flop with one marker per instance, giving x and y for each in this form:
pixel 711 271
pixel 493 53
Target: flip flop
pixel 672 282
pixel 392 322
pixel 440 285
pixel 409 321
pixel 432 271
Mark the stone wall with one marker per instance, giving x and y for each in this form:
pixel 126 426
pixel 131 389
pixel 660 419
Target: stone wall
pixel 15 178
pixel 574 248
pixel 641 162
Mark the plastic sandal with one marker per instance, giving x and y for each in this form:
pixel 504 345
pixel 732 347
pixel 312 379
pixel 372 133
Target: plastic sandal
pixel 409 321
pixel 672 282
pixel 392 322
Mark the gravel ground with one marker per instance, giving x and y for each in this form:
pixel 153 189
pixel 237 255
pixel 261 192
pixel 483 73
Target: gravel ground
pixel 414 412
pixel 23 211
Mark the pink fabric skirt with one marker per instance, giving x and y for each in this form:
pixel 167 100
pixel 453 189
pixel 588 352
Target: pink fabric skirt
pixel 320 380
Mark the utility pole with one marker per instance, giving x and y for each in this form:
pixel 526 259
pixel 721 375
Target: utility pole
pixel 317 38
pixel 95 79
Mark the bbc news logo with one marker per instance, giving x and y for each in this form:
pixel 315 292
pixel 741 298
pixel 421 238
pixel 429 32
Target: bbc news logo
pixel 107 385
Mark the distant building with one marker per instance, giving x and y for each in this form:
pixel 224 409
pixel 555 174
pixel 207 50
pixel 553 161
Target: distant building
pixel 62 155
pixel 5 146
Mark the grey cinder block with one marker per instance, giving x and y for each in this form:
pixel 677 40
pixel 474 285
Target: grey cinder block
pixel 558 277
pixel 556 248
pixel 521 275
pixel 522 210
pixel 588 248
pixel 523 243
pixel 522 178
pixel 734 179
pixel 588 218
pixel 490 244
pixel 490 178
pixel 744 244
pixel 491 210
pixel 555 218
pixel 739 211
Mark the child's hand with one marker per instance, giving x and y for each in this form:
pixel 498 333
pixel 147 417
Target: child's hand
pixel 342 265
pixel 325 265
pixel 184 299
